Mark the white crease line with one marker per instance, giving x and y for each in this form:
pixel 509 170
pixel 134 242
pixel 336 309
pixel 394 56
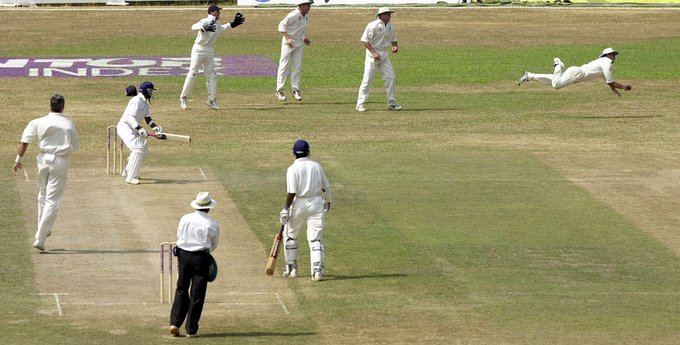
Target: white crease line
pixel 26 174
pixel 205 178
pixel 281 303
pixel 56 300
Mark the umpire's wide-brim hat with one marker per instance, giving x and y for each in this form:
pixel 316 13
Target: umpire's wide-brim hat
pixel 203 201
pixel 212 271
pixel 383 10
pixel 308 2
pixel 608 51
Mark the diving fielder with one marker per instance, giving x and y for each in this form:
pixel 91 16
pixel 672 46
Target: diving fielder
pixel 600 67
pixel 308 200
pixel 202 54
pixel 132 133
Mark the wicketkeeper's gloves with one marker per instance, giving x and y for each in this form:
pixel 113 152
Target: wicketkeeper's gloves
pixel 238 20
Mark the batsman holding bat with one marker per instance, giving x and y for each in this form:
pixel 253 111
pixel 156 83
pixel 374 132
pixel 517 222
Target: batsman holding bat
pixel 132 133
pixel 307 201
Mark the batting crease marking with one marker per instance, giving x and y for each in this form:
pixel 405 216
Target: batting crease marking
pixel 278 297
pixel 205 178
pixel 26 174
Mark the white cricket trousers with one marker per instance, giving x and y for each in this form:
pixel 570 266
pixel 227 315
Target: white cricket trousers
pixel 290 64
pixel 309 211
pixel 559 79
pixel 138 147
pixel 204 60
pixel 52 171
pixel 387 72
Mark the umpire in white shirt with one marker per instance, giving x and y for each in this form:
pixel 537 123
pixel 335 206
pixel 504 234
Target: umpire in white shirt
pixel 57 138
pixel 197 236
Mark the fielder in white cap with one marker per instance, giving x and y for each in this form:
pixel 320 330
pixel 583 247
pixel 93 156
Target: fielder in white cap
pixel 600 67
pixel 294 30
pixel 379 38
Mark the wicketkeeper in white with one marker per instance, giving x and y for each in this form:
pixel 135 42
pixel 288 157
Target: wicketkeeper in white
pixel 57 138
pixel 307 201
pixel 600 67
pixel 203 54
pixel 379 38
pixel 132 133
pixel 294 30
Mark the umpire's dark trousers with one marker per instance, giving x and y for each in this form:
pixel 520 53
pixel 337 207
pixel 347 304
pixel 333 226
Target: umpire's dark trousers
pixel 192 283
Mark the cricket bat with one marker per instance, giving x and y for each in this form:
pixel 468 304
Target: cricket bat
pixel 171 137
pixel 271 263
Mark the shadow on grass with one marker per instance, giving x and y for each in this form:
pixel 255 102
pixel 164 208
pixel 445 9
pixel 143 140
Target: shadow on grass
pixel 257 334
pixel 161 181
pixel 366 276
pixel 613 117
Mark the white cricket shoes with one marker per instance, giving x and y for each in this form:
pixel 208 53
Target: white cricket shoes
pixel 280 95
pixel 291 271
pixel 524 78
pixel 183 103
pixel 558 62
pixel 212 104
pixel 296 94
pixel 133 180
pixel 393 106
pixel 39 246
pixel 317 275
pixel 360 108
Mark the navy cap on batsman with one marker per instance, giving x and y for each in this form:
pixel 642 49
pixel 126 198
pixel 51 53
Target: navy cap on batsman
pixel 301 147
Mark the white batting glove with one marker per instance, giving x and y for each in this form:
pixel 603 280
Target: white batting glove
pixel 284 216
pixel 157 129
pixel 142 132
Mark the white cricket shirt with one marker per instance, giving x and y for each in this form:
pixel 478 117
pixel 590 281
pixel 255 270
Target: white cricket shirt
pixel 380 36
pixel 295 24
pixel 56 133
pixel 599 67
pixel 137 109
pixel 306 179
pixel 197 231
pixel 206 40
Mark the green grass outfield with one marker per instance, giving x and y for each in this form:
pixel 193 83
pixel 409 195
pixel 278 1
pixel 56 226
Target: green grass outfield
pixel 483 213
